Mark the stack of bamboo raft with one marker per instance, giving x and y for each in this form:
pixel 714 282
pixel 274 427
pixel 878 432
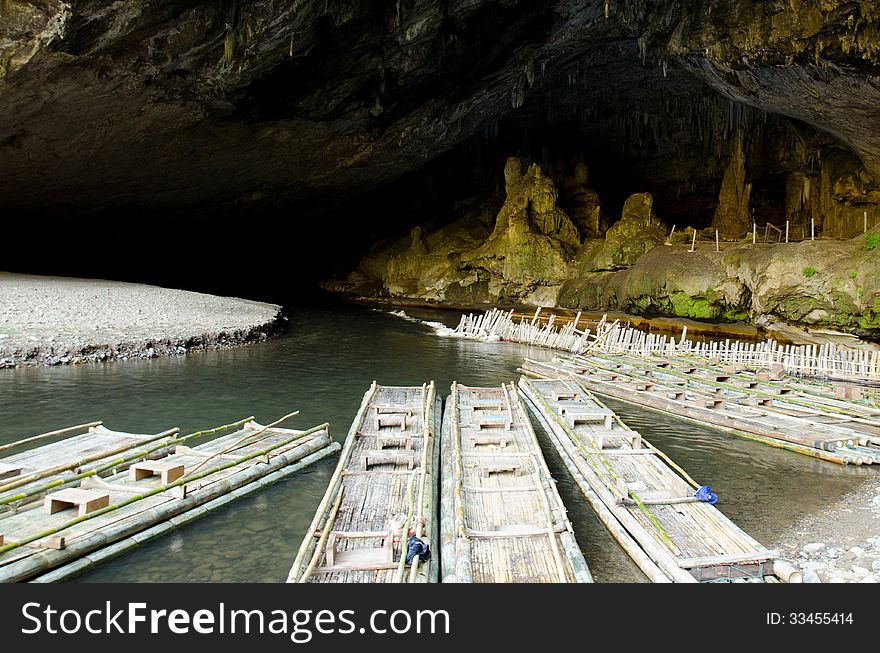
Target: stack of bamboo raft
pixel 797 417
pixel 382 497
pixel 644 499
pixel 502 520
pixel 828 361
pixel 71 503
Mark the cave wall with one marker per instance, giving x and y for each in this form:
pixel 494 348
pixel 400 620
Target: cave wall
pixel 149 120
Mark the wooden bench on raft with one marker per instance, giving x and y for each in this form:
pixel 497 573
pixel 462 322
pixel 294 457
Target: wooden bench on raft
pixel 578 412
pixel 168 472
pixel 377 557
pixel 390 420
pixel 394 440
pixel 500 465
pixel 500 439
pixel 493 405
pixel 674 491
pixel 493 421
pixel 634 438
pixel 407 458
pixel 85 501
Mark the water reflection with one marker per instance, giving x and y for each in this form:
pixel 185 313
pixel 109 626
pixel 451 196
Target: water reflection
pixel 322 366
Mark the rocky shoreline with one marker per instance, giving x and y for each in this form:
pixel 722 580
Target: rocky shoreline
pixel 52 321
pixel 841 544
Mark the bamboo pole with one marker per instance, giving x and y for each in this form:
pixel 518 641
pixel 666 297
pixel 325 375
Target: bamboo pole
pixel 541 466
pixel 240 442
pixel 110 551
pixel 427 444
pixel 644 562
pixel 322 542
pixel 609 471
pixel 344 457
pixel 781 444
pixel 36 476
pixel 161 488
pixel 50 434
pixel 60 482
pixel 657 451
pixel 401 565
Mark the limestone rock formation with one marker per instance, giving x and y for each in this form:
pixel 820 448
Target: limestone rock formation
pixel 527 254
pixel 732 217
pixel 637 232
pixel 582 203
pixel 525 257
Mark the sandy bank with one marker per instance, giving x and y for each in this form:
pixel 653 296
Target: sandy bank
pixel 58 320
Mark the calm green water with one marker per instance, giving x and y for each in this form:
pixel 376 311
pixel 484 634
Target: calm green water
pixel 322 366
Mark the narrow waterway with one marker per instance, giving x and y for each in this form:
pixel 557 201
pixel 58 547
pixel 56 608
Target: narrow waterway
pixel 322 365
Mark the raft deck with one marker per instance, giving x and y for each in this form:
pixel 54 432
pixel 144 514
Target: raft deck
pixel 85 448
pixel 383 492
pixel 49 528
pixel 646 501
pixel 502 520
pixel 745 405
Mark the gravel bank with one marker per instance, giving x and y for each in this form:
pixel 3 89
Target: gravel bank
pixel 842 543
pixel 58 320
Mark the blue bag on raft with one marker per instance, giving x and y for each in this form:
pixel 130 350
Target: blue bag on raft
pixel 705 493
pixel 415 547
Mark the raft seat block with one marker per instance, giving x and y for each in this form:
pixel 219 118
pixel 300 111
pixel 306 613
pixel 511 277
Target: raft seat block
pixel 8 471
pixel 605 418
pixel 644 387
pixel 167 472
pixel 390 420
pixel 85 501
pixel 403 441
pixel 500 439
pixel 380 556
pixel 493 421
pixel 407 458
pixel 678 395
pixel 499 466
pixel 714 403
pixel 391 409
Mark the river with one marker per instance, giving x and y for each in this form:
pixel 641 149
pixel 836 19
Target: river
pixel 322 365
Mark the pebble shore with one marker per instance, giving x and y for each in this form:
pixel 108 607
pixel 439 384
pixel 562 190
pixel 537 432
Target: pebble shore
pixel 58 320
pixel 842 543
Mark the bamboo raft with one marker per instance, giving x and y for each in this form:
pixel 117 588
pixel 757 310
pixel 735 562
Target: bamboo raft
pixel 644 499
pixel 86 450
pixel 383 492
pixel 761 410
pixel 67 509
pixel 502 520
pixel 827 361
